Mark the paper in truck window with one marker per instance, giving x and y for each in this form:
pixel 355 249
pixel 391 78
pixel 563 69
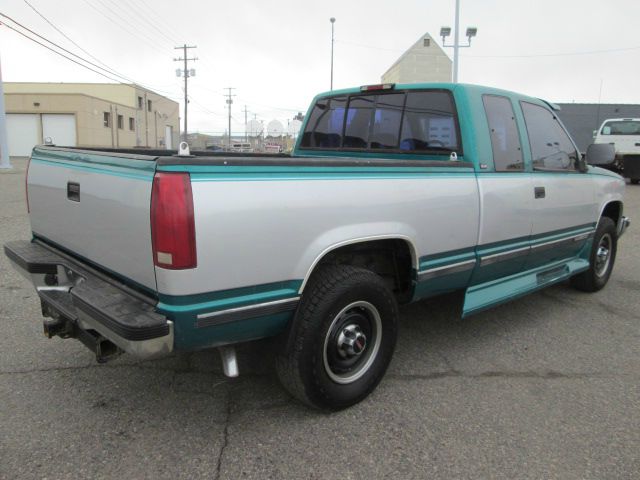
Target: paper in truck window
pixel 441 131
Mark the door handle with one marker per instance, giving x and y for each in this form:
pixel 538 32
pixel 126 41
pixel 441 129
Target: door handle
pixel 539 192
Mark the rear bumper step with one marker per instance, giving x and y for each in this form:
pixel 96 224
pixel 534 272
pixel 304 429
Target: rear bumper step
pixel 84 298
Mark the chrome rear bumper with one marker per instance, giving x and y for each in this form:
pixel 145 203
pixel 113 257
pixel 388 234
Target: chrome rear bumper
pixel 81 300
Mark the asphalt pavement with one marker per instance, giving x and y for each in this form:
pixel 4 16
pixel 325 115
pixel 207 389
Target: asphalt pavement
pixel 547 387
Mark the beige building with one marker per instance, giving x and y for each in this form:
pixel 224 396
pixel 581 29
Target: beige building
pixel 88 115
pixel 425 61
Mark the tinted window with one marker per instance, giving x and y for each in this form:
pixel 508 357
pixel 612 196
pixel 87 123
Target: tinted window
pixel 373 121
pixel 358 121
pixel 324 128
pixel 507 153
pixel 429 122
pixel 412 122
pixel 551 147
pixel 621 127
pixel 386 121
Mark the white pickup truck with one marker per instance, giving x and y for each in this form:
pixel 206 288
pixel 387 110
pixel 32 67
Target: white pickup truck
pixel 624 135
pixel 394 193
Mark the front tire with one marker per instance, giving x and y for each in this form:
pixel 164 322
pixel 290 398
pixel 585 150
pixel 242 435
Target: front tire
pixel 601 258
pixel 341 339
pixel 635 181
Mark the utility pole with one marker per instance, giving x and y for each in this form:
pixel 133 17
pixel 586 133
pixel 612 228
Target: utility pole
pixel 187 73
pixel 229 103
pixel 333 21
pixel 245 124
pixel 5 162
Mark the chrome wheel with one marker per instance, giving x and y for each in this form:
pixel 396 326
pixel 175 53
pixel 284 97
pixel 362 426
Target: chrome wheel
pixel 352 342
pixel 603 255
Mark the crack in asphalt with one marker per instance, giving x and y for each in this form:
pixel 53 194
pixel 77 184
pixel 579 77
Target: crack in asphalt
pixel 91 366
pixel 545 375
pixel 225 437
pixel 451 373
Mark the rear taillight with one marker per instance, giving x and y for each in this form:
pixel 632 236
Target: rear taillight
pixel 26 184
pixel 173 232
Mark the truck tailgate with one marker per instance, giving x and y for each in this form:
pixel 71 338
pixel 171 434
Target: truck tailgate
pixel 95 205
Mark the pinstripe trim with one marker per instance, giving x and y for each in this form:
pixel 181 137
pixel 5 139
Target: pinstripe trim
pixel 249 311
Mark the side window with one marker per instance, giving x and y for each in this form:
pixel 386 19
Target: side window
pixel 429 123
pixel 507 152
pixel 551 147
pixel 324 127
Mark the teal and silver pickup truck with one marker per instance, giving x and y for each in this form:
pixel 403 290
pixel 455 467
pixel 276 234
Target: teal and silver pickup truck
pixel 394 193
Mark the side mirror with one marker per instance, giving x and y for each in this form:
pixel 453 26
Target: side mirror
pixel 595 133
pixel 600 154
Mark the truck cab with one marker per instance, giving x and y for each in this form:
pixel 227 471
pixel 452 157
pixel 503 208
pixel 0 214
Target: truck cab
pixel 624 134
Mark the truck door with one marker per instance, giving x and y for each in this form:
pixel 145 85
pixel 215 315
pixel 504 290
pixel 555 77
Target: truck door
pixel 565 210
pixel 505 195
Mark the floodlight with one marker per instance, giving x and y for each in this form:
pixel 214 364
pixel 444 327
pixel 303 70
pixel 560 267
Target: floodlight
pixel 445 31
pixel 472 32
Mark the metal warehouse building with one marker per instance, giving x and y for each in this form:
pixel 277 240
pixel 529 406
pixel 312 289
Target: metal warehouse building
pixel 581 119
pixel 88 115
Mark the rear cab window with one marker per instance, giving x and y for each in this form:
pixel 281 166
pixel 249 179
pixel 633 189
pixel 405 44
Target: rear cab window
pixel 621 127
pixel 404 122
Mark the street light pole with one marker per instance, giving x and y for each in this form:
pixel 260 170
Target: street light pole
pixel 333 21
pixel 456 43
pixel 446 31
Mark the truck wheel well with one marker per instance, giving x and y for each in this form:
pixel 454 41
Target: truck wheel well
pixel 390 259
pixel 613 211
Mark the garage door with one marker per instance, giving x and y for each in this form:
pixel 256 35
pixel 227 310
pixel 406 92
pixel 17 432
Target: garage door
pixel 23 130
pixel 61 128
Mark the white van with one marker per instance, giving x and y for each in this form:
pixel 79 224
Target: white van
pixel 624 133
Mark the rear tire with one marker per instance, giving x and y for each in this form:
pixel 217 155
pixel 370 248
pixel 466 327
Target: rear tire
pixel 341 340
pixel 601 258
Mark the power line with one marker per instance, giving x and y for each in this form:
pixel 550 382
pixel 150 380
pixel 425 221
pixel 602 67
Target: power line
pixel 129 31
pixel 108 68
pixel 204 108
pixel 60 47
pixel 271 106
pixel 569 54
pixel 58 53
pixel 125 20
pixel 142 15
pixel 62 33
pixel 109 72
pixel 533 55
pixel 166 26
pixel 369 46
